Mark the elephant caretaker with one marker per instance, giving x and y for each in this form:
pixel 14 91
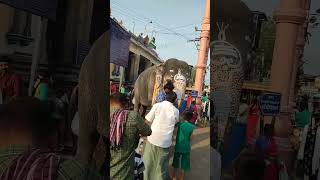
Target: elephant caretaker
pixel 9 82
pixel 126 127
pixel 168 87
pixel 163 118
pixel 26 132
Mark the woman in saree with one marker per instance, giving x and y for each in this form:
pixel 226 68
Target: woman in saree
pixel 253 122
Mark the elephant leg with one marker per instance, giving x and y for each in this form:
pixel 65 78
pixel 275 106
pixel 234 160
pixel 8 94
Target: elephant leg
pixel 88 134
pixel 136 106
pixel 92 100
pixel 87 142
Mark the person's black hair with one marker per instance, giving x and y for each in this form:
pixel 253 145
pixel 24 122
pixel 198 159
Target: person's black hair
pixel 169 85
pixel 303 105
pixel 30 113
pixel 188 116
pixel 120 98
pixel 249 166
pixel 171 96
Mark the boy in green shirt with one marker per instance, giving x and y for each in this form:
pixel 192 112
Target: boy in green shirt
pixel 42 88
pixel 303 116
pixel 181 159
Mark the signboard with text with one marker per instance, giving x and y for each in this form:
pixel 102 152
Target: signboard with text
pixel 270 103
pixel 44 8
pixel 194 94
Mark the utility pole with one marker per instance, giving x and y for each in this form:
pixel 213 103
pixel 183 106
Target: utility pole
pixel 204 49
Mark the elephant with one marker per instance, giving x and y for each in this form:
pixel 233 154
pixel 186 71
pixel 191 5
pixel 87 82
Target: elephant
pixel 229 52
pixel 92 106
pixel 151 81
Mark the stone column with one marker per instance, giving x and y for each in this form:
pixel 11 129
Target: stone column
pixel 132 67
pixel 84 20
pixel 122 78
pixel 136 70
pixel 288 18
pixel 78 25
pixel 203 51
pixel 6 18
pixel 71 29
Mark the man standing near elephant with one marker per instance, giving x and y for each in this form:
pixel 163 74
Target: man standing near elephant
pixel 167 88
pixel 162 117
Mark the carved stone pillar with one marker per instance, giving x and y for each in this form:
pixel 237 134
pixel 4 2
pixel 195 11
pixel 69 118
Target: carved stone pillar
pixel 84 20
pixel 288 18
pixel 78 25
pixel 20 31
pixel 136 70
pixel 6 14
pixel 71 29
pixel 17 24
pixel 132 67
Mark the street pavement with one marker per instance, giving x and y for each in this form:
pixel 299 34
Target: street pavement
pixel 200 155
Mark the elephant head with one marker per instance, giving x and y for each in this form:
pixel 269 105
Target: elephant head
pixel 152 80
pixel 179 73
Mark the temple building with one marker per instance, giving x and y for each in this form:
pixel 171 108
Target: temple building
pixel 137 54
pixel 64 43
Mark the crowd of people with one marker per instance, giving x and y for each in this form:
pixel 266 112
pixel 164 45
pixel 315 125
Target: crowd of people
pixel 37 141
pixel 247 136
pixel 199 107
pixel 29 137
pixel 128 161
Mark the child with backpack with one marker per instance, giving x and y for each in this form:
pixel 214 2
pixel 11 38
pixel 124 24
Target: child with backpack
pixel 181 159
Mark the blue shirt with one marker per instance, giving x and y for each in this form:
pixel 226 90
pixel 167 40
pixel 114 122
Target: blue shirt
pixel 183 106
pixel 261 143
pixel 161 97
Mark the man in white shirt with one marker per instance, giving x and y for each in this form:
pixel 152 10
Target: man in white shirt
pixel 162 117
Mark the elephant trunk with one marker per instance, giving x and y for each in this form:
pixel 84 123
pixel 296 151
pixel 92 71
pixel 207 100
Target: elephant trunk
pixel 180 89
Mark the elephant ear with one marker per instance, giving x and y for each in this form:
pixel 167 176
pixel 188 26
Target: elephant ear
pixel 158 82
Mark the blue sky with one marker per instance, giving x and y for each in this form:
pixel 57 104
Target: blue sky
pixel 173 24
